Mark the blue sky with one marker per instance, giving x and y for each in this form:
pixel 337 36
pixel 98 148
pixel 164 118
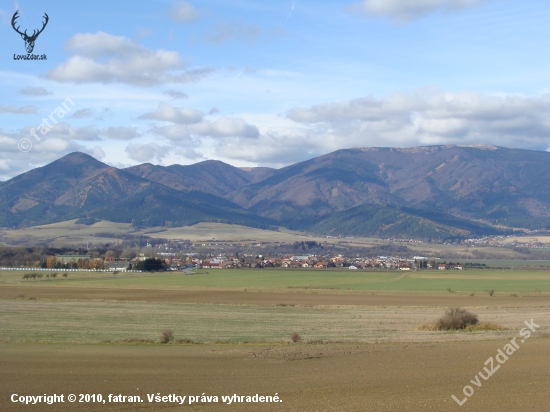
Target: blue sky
pixel 270 83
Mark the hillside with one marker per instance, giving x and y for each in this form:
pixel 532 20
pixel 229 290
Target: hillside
pixel 505 186
pixel 423 192
pixel 77 186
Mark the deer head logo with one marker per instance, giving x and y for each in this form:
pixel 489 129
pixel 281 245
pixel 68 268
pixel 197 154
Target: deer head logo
pixel 29 40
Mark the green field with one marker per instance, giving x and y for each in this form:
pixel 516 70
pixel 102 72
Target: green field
pixel 521 281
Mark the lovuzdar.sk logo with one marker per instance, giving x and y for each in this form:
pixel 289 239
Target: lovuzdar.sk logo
pixel 29 40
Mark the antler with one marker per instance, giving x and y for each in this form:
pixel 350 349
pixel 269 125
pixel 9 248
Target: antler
pixel 43 25
pixel 15 16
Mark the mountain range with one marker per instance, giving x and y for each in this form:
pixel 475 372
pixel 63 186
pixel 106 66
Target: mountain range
pixel 425 192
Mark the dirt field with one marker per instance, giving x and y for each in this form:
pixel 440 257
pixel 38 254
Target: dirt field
pixel 359 349
pixel 337 377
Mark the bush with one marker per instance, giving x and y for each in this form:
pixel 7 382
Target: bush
pixel 167 336
pixel 295 337
pixel 453 319
pixel 491 292
pixel 456 318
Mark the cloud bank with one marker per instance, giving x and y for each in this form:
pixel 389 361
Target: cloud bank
pixel 103 58
pixel 405 10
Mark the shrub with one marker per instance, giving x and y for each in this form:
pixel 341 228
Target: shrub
pixel 491 292
pixel 456 318
pixel 167 336
pixel 295 337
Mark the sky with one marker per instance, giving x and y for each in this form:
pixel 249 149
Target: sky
pixel 269 83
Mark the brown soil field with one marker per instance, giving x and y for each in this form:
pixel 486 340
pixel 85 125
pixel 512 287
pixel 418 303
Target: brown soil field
pixel 299 297
pixel 307 377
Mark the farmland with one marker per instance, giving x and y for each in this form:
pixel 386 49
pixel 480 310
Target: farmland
pixel 95 332
pixel 476 280
pixel 220 235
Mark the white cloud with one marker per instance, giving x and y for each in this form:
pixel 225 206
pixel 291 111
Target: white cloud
pixel 104 58
pixel 225 127
pixel 63 131
pixel 13 161
pixel 82 113
pixel 188 153
pixel 147 152
pixel 179 115
pixel 12 109
pixel 404 10
pixel 431 116
pixel 175 94
pixel 274 149
pixel 121 133
pixel 34 91
pixel 174 132
pixel 183 12
pixel 96 152
pixel 226 31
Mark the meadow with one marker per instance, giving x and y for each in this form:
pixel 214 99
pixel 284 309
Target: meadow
pixel 466 281
pixel 359 348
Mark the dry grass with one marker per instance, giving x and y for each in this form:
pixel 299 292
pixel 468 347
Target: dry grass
pixel 182 341
pixel 134 340
pixel 484 326
pixel 97 321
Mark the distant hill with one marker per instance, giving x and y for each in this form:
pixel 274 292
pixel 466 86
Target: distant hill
pixel 210 176
pixel 433 191
pixel 77 186
pixel 504 186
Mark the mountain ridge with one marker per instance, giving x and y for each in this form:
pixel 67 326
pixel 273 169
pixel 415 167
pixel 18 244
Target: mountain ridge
pixel 429 189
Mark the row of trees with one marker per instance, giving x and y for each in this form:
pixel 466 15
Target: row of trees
pixel 52 263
